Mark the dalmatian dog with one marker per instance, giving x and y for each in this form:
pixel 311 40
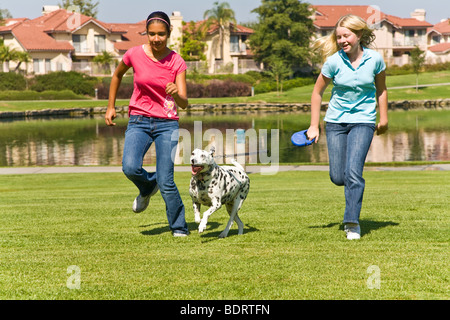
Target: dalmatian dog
pixel 213 185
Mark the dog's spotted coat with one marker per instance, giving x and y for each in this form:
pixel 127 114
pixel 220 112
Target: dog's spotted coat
pixel 214 186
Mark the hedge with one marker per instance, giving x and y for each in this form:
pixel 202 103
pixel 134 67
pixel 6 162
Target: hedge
pixel 79 83
pixel 12 81
pixel 10 95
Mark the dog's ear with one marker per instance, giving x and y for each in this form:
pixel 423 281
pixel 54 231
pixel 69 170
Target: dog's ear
pixel 212 151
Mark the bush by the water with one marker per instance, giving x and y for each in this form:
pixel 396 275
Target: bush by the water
pixel 218 89
pixel 10 95
pixel 12 81
pixel 79 83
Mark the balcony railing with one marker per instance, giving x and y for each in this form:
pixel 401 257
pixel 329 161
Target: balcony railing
pixel 409 42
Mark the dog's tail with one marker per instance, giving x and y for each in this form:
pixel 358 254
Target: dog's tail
pixel 237 164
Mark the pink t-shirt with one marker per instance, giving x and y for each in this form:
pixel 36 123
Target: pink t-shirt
pixel 149 97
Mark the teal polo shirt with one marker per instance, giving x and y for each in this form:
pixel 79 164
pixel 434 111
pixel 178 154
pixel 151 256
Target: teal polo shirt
pixel 353 99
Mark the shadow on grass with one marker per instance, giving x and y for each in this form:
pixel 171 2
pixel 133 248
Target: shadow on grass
pixel 164 228
pixel 367 226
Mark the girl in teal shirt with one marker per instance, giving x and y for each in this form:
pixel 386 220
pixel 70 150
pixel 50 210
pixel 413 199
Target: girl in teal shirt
pixel 359 79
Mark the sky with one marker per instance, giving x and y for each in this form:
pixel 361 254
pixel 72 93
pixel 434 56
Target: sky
pixel 131 11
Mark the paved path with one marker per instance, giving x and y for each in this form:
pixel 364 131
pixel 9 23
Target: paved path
pixel 250 169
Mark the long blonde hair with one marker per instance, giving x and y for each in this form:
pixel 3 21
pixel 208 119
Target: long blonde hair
pixel 327 46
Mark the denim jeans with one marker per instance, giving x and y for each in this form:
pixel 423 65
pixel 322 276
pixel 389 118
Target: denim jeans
pixel 348 145
pixel 140 134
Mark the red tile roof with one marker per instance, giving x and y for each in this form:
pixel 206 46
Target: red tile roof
pixel 440 48
pixel 35 35
pixel 32 37
pixel 442 27
pixel 235 28
pixel 328 16
pixel 135 35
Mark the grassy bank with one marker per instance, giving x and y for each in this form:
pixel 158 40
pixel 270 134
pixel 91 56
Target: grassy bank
pixel 291 249
pixel 296 95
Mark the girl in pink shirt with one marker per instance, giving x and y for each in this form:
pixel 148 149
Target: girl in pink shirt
pixel 159 89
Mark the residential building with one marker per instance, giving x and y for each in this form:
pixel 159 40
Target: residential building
pixel 439 42
pixel 395 36
pixel 60 40
pixel 236 53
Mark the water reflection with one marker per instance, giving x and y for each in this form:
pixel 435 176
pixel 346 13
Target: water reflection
pixel 87 141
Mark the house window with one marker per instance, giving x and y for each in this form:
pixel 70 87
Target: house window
pixel 48 65
pixel 234 44
pixel 79 43
pixel 436 39
pixel 100 43
pixel 37 65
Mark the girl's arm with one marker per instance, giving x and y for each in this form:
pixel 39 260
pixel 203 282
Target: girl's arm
pixel 316 104
pixel 382 98
pixel 178 90
pixel 110 115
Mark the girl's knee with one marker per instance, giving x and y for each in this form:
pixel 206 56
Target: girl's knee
pixel 337 180
pixel 130 170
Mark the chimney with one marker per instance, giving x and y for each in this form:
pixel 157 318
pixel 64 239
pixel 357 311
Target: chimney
pixel 177 32
pixel 419 14
pixel 49 9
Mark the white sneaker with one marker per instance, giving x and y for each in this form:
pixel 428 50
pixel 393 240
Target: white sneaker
pixel 353 231
pixel 180 235
pixel 141 203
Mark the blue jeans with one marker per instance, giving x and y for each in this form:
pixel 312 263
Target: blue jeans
pixel 348 145
pixel 140 134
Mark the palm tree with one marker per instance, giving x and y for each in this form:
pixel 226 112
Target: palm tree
pixel 221 15
pixel 105 59
pixel 7 54
pixel 22 57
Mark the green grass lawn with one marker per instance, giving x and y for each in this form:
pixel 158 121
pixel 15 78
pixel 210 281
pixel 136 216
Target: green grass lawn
pixel 296 95
pixel 293 246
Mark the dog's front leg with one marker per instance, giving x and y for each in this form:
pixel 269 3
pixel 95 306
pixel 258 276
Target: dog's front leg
pixel 196 207
pixel 214 207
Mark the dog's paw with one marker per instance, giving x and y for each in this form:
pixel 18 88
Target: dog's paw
pixel 223 235
pixel 201 227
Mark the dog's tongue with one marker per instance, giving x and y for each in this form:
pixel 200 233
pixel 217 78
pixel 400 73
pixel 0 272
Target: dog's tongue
pixel 196 170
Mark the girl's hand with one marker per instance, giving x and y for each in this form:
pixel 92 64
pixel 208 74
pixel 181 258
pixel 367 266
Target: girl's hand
pixel 381 128
pixel 110 116
pixel 313 133
pixel 172 89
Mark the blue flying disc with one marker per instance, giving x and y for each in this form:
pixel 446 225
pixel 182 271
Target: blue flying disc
pixel 299 139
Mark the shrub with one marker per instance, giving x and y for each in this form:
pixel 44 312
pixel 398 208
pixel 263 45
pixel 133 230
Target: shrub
pixel 125 91
pixel 79 83
pixel 271 85
pixel 12 81
pixel 34 95
pixel 218 89
pixel 195 90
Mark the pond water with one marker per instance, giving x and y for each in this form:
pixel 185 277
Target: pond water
pixel 413 136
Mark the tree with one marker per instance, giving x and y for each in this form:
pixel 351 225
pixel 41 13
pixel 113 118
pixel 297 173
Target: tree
pixel 4 14
pixel 221 15
pixel 104 60
pixel 280 71
pixel 417 61
pixel 193 42
pixel 283 33
pixel 86 7
pixel 7 54
pixel 22 57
